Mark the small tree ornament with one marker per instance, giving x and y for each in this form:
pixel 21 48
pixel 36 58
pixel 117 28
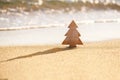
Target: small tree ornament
pixel 72 38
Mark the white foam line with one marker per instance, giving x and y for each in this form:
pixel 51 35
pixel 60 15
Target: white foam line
pixel 30 27
pixel 100 21
pixel 59 25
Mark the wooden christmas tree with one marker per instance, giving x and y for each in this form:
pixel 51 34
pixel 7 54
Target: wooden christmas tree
pixel 72 38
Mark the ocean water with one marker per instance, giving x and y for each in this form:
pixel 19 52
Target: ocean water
pixel 52 18
pixel 51 26
pixel 55 35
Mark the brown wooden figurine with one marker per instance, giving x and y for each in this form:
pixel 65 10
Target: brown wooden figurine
pixel 72 38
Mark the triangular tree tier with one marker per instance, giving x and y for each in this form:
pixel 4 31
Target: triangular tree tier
pixel 72 24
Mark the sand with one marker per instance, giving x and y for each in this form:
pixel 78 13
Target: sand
pixel 92 61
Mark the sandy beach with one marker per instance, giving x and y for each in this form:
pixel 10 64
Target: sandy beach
pixel 30 41
pixel 91 61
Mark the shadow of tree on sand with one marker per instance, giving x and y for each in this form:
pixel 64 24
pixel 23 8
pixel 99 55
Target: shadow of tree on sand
pixel 53 50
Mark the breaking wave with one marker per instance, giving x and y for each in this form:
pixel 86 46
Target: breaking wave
pixel 52 18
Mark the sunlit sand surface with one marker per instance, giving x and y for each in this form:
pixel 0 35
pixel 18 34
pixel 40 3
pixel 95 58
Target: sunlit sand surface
pixel 91 61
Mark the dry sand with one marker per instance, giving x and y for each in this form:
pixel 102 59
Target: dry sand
pixel 92 61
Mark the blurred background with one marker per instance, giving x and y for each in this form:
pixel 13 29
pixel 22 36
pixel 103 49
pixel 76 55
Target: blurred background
pixel 52 13
pixel 46 21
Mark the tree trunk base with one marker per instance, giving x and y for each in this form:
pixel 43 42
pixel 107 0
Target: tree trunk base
pixel 72 46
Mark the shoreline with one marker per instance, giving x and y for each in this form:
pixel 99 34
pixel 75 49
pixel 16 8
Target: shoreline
pixel 52 26
pixel 55 35
pixel 60 44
